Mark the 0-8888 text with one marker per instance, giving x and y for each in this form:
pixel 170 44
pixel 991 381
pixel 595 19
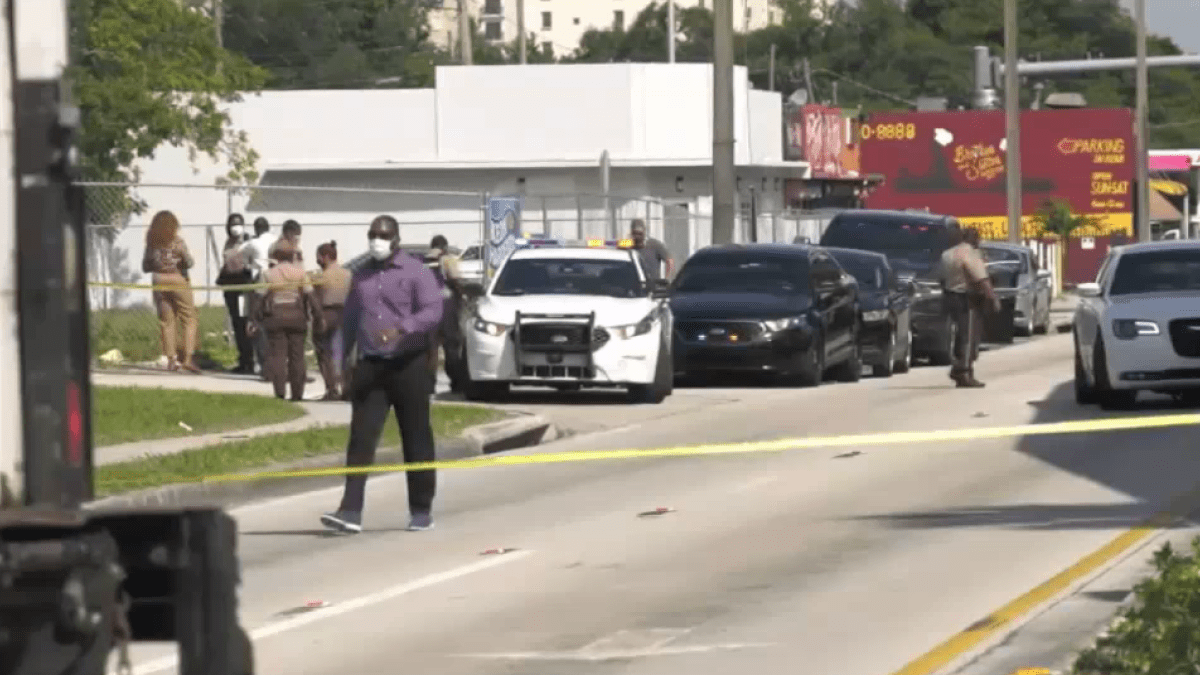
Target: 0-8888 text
pixel 895 131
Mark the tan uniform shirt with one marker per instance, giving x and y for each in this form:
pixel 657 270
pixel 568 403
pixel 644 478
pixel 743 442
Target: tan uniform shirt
pixel 331 286
pixel 285 303
pixel 962 267
pixel 174 259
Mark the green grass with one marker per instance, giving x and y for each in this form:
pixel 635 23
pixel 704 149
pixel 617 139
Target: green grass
pixel 449 420
pixel 134 332
pixel 127 414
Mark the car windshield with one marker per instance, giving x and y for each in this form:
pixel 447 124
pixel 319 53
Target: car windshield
pixel 472 253
pixel 565 276
pixel 1157 272
pixel 726 274
pixel 1001 255
pixel 869 273
pixel 892 236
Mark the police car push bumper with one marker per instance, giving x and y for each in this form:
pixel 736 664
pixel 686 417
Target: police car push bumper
pixel 572 348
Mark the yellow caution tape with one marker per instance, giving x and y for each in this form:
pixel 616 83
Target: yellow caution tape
pixel 231 288
pixel 780 445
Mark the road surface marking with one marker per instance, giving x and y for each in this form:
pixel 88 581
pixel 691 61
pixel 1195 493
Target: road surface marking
pixel 941 655
pixel 360 602
pixel 624 644
pixel 779 445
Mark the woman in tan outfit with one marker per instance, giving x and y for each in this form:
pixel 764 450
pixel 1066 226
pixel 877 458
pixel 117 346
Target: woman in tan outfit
pixel 332 285
pixel 167 260
pixel 286 308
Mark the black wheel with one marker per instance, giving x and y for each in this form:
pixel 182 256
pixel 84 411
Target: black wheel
pixel 812 372
pixel 851 369
pixel 888 366
pixel 1106 396
pixel 944 355
pixel 1085 393
pixel 663 385
pixel 904 364
pixel 1042 327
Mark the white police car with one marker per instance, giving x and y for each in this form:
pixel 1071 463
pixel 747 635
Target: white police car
pixel 569 314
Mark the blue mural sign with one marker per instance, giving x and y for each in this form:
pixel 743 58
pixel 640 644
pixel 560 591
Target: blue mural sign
pixel 504 222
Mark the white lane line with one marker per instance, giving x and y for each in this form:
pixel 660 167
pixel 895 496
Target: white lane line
pixel 360 602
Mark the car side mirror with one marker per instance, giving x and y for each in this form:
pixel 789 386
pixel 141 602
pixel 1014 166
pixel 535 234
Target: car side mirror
pixel 1088 290
pixel 473 290
pixel 1043 274
pixel 660 289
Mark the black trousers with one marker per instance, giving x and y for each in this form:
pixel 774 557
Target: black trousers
pixel 245 345
pixel 380 386
pixel 968 323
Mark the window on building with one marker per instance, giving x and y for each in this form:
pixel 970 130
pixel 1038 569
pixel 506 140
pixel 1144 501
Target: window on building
pixel 492 30
pixel 547 21
pixel 492 7
pixel 619 19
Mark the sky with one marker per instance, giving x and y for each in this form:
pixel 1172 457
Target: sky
pixel 1176 19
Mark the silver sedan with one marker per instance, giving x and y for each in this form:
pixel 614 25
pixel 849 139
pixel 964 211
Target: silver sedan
pixel 1015 274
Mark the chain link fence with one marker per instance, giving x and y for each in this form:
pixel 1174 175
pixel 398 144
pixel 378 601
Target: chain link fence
pixel 125 330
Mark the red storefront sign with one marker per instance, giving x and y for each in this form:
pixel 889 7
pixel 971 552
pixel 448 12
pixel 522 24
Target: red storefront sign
pixel 820 135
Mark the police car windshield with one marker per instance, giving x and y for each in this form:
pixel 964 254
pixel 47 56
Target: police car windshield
pixel 742 274
pixel 1157 272
pixel 564 276
pixel 892 236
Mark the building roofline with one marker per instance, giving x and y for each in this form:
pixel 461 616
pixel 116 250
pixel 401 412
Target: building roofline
pixel 516 164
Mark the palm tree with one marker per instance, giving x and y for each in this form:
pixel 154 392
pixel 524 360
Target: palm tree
pixel 1055 220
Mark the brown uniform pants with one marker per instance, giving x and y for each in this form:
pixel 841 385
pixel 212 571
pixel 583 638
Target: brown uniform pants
pixel 285 360
pixel 176 306
pixel 323 346
pixel 967 318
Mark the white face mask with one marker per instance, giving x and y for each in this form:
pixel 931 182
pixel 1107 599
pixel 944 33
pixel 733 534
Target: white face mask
pixel 381 249
pixel 237 230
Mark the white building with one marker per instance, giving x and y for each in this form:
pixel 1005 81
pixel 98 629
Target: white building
pixel 559 24
pixel 334 159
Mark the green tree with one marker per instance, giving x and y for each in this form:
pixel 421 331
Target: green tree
pixel 1055 220
pixel 645 39
pixel 148 72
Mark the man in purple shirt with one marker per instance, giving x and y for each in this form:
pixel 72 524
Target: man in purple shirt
pixel 393 305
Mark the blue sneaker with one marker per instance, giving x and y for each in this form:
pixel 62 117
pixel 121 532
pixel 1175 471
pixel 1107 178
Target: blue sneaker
pixel 348 522
pixel 420 522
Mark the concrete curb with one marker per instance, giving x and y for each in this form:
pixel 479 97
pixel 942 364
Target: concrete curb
pixel 524 430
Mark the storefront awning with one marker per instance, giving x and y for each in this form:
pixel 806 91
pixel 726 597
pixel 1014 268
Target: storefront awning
pixel 1161 208
pixel 1170 162
pixel 1169 187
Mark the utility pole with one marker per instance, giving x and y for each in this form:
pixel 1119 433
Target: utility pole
pixel 723 139
pixel 671 31
pixel 1142 222
pixel 218 14
pixel 1012 114
pixel 808 81
pixel 771 69
pixel 464 34
pixel 521 29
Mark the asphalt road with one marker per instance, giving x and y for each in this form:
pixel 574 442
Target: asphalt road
pixel 841 560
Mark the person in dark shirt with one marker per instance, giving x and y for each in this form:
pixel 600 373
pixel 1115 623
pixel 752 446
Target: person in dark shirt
pixel 652 252
pixel 393 306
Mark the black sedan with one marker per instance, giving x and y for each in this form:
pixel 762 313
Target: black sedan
pixel 885 310
pixel 766 308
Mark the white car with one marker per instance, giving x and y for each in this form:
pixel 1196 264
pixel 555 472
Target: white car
pixel 570 316
pixel 470 263
pixel 1138 327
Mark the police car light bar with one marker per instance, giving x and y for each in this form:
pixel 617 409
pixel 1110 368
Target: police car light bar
pixel 575 243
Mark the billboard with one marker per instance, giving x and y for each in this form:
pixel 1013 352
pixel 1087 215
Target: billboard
pixel 820 135
pixel 954 163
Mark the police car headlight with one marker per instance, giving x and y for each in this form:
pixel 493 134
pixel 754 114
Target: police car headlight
pixel 489 328
pixel 633 330
pixel 775 325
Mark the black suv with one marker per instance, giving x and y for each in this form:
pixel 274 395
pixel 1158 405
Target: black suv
pixel 913 242
pixel 766 308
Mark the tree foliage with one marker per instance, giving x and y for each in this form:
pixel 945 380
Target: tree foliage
pixel 148 72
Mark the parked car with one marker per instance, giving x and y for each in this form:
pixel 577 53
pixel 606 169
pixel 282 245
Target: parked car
pixel 777 308
pixel 913 242
pixel 1015 275
pixel 1138 326
pixel 885 310
pixel 470 263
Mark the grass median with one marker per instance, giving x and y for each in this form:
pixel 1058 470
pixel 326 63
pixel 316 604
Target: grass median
pixel 449 420
pixel 128 414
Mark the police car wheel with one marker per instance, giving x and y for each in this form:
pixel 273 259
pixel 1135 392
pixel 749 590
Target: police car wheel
pixel 904 363
pixel 663 385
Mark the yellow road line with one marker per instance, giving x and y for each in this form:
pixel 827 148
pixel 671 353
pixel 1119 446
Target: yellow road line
pixel 938 657
pixel 780 445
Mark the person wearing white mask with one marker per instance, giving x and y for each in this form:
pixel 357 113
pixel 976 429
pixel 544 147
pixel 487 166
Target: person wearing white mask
pixel 235 272
pixel 393 306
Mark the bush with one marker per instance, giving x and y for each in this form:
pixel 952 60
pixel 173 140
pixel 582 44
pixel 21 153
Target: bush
pixel 1160 633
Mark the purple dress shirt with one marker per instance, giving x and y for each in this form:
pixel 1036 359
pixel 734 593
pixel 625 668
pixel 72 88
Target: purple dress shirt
pixel 391 309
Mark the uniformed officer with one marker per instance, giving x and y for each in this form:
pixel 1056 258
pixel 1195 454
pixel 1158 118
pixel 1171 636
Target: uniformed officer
pixel 448 335
pixel 968 292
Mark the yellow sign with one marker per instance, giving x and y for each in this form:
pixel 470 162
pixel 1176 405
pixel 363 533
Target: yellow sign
pixel 996 227
pixel 896 131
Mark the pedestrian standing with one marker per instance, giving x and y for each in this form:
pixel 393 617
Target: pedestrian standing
pixel 330 287
pixel 257 254
pixel 393 305
pixel 448 335
pixel 653 253
pixel 968 292
pixel 290 232
pixel 235 272
pixel 167 260
pixel 283 314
